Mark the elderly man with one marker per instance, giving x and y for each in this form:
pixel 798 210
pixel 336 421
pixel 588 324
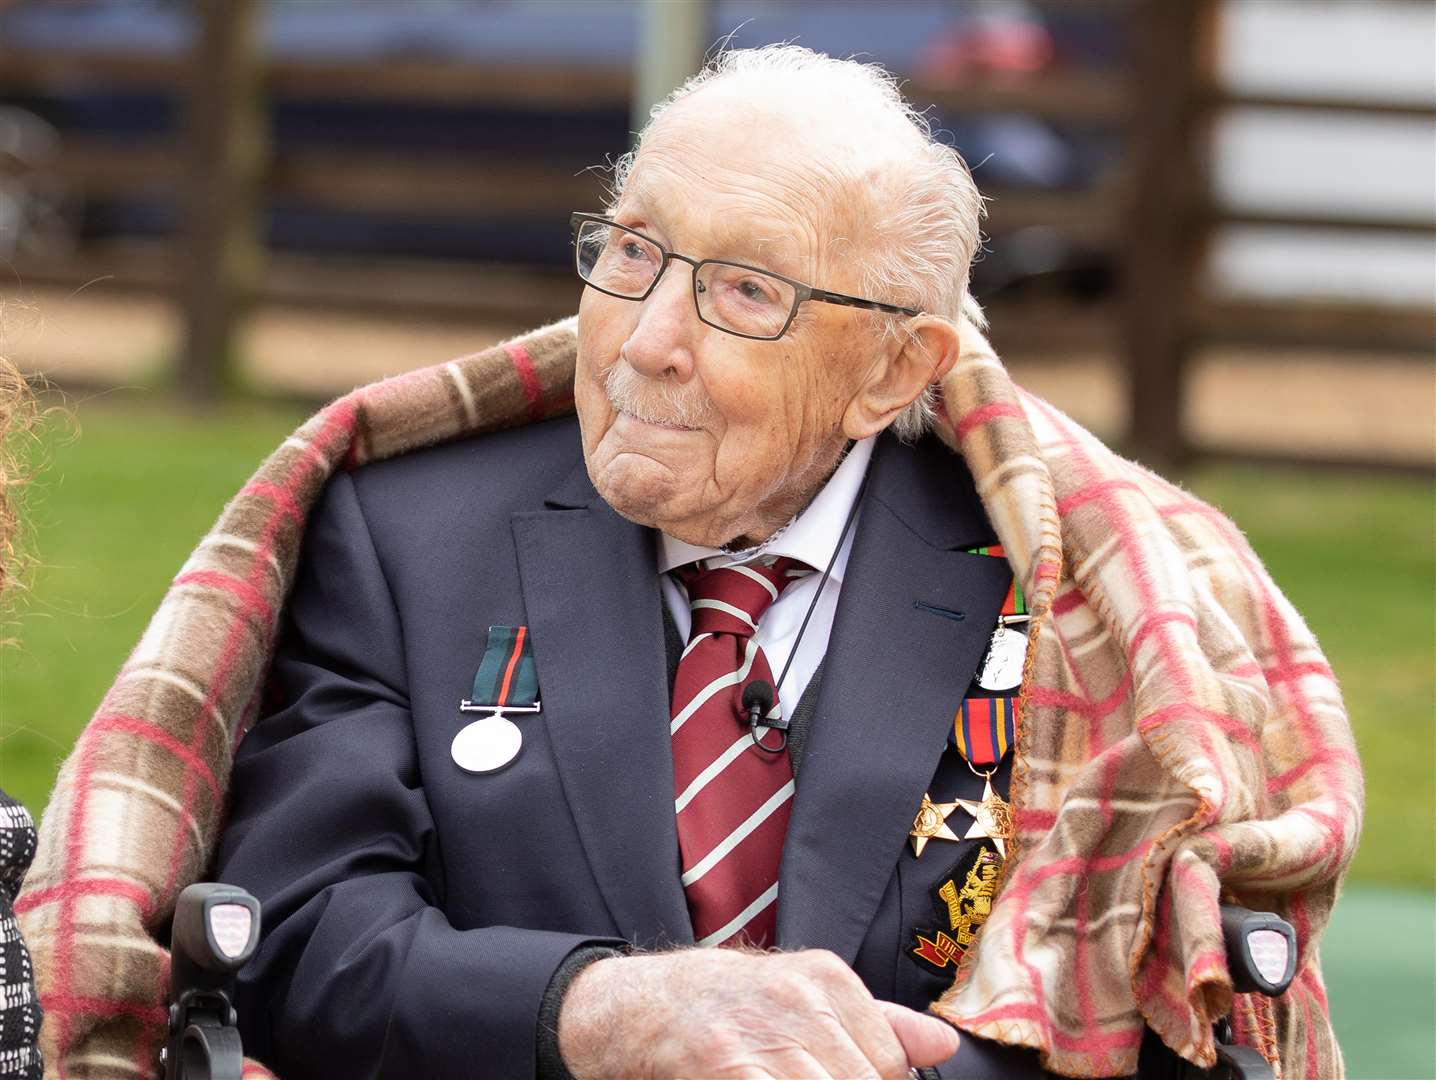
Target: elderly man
pixel 734 661
pixel 730 411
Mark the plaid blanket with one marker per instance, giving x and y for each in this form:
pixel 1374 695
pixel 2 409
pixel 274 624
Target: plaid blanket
pixel 1182 739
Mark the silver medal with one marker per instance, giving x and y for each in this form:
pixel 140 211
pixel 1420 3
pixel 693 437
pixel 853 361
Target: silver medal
pixel 1002 666
pixel 487 744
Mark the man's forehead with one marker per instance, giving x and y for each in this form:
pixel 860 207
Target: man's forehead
pixel 729 225
pixel 772 197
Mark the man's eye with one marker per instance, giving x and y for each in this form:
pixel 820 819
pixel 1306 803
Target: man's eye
pixel 754 292
pixel 632 249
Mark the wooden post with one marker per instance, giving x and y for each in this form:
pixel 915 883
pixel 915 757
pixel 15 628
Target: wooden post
pixel 1172 54
pixel 672 44
pixel 224 148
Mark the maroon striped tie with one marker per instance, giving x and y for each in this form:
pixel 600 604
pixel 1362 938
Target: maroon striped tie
pixel 732 799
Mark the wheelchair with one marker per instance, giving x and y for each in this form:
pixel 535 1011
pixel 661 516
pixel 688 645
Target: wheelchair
pixel 216 930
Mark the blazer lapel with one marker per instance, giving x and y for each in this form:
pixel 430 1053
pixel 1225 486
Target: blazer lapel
pixel 894 675
pixel 592 598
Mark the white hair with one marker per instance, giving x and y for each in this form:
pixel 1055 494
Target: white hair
pixel 925 210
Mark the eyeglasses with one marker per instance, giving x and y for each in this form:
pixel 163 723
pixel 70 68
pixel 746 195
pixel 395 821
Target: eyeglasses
pixel 737 299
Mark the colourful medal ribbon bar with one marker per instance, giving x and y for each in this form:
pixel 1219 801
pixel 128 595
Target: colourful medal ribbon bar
pixel 1014 603
pixel 507 680
pixel 983 729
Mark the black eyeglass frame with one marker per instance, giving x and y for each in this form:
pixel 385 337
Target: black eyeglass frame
pixel 801 291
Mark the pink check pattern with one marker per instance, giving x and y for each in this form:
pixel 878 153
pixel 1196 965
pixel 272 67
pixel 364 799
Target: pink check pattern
pixel 1181 738
pixel 732 799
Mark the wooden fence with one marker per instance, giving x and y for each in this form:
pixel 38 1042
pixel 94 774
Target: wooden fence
pixel 1156 214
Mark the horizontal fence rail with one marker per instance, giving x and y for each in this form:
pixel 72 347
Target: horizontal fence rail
pixel 1147 213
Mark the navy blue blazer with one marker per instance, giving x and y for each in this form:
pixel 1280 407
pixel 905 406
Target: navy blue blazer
pixel 414 913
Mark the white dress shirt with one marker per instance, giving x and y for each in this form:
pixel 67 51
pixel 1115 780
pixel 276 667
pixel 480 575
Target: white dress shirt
pixel 811 537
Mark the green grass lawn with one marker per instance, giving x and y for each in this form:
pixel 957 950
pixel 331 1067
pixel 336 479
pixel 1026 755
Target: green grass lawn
pixel 1376 957
pixel 1355 555
pixel 124 493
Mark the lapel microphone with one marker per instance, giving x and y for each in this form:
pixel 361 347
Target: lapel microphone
pixel 758 703
pixel 758 696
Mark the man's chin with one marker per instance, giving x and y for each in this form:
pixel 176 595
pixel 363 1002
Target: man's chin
pixel 639 488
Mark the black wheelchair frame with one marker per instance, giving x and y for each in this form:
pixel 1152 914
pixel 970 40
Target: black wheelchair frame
pixel 216 930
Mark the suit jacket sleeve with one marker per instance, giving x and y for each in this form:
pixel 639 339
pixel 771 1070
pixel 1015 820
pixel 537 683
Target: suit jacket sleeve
pixel 359 972
pixel 982 1059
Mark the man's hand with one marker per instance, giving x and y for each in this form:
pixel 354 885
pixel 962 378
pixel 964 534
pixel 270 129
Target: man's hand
pixel 728 1013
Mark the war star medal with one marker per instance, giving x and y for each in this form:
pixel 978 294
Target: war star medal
pixel 931 824
pixel 992 817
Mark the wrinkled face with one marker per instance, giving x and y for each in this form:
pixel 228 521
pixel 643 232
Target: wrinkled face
pixel 702 434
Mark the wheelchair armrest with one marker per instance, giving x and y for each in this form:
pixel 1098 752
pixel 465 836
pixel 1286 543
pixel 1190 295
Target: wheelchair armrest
pixel 1261 955
pixel 1261 950
pixel 1240 1063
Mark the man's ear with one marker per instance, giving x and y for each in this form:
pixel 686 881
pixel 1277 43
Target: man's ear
pixel 926 352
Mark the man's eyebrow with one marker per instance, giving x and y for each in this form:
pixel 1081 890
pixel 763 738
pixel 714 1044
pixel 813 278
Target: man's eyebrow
pixel 649 214
pixel 634 197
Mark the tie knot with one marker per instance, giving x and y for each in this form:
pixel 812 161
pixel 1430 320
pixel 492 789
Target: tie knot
pixel 731 599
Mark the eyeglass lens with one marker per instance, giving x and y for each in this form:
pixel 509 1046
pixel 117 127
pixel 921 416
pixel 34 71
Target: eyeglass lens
pixel 729 296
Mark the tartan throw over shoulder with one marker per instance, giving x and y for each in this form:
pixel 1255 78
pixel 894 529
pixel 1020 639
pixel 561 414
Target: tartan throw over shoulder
pixel 1181 739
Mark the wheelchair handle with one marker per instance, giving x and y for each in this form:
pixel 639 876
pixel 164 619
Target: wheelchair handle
pixel 216 929
pixel 1261 950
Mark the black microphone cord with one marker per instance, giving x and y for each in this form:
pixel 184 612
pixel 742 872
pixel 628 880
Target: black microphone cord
pixel 757 703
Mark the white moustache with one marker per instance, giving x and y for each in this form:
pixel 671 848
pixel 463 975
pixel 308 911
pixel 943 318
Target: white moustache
pixel 657 402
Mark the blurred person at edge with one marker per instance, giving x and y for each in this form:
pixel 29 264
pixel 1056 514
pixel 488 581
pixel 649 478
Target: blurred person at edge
pixel 19 1006
pixel 777 286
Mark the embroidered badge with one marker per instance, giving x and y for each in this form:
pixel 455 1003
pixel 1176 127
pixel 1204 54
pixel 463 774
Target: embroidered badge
pixel 963 899
pixel 935 952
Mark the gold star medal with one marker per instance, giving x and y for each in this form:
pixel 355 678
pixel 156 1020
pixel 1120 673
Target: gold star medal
pixel 991 817
pixel 931 824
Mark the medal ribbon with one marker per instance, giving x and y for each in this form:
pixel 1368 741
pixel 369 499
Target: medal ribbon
pixel 984 727
pixel 1014 604
pixel 506 675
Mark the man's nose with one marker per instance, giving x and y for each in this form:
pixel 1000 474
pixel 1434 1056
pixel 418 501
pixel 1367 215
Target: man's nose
pixel 662 339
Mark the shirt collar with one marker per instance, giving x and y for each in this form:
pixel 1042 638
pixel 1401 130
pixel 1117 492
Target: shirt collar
pixel 810 537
